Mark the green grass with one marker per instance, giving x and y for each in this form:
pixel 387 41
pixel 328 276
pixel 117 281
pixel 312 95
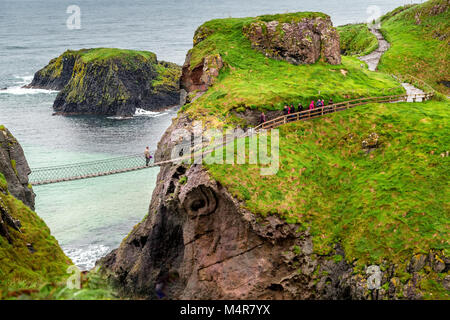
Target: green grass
pixel 93 287
pixel 417 49
pixel 101 54
pixel 3 182
pixel 388 204
pixel 252 80
pixel 42 274
pixel 17 263
pixel 357 40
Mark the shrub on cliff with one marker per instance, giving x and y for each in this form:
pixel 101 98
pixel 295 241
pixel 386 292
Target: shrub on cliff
pixel 356 39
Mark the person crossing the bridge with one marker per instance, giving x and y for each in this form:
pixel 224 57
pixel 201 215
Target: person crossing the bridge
pixel 147 156
pixel 311 106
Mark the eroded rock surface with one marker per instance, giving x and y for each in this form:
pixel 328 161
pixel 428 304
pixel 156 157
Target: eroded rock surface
pixel 302 42
pixel 203 75
pixel 14 166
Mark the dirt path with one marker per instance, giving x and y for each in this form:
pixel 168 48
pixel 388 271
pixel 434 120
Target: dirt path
pixel 373 59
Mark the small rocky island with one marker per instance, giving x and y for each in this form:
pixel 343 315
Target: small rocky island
pixel 110 82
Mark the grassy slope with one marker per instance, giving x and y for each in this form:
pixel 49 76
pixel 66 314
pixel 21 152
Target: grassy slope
pixel 18 265
pixel 41 275
pixel 356 39
pixel 388 204
pixel 251 80
pixel 416 49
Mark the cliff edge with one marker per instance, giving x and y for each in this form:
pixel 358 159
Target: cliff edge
pixel 29 255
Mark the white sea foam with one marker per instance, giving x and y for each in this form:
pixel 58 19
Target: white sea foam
pixel 119 118
pixel 18 89
pixel 85 257
pixel 145 113
pixel 21 91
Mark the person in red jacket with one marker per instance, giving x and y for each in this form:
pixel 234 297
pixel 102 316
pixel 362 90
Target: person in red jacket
pixel 311 106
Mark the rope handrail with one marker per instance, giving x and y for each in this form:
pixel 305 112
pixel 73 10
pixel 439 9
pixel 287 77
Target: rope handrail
pixel 408 77
pixel 87 162
pixel 308 114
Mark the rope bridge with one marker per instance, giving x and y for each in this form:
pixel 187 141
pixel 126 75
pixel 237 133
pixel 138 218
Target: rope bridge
pixel 84 170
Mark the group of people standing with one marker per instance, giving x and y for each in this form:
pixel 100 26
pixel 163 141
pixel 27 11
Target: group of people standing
pixel 289 109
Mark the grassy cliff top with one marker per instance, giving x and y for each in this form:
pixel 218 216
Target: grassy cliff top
pixel 108 53
pixel 386 205
pixel 249 79
pixel 356 39
pixel 419 36
pixel 102 54
pixel 131 58
pixel 291 17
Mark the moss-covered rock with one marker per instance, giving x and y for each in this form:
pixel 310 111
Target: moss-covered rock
pixel 302 39
pixel 29 254
pixel 14 168
pixel 110 82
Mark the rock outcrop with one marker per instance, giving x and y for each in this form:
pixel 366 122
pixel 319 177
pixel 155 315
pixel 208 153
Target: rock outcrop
pixel 201 76
pixel 110 82
pixel 15 169
pixel 300 42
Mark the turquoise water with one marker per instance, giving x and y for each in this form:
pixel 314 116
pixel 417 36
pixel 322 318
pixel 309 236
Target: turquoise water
pixel 90 217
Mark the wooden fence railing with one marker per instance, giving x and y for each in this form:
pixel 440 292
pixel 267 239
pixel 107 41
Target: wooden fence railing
pixel 318 112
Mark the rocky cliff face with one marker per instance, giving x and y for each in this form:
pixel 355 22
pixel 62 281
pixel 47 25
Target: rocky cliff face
pixel 109 82
pixel 14 168
pixel 201 76
pixel 303 42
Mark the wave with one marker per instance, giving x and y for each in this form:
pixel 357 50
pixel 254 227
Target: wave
pixel 85 257
pixel 119 118
pixel 145 113
pixel 18 89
